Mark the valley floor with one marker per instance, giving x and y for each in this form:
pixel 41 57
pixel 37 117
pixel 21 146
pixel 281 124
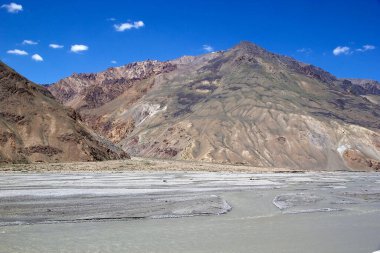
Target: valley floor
pixel 136 164
pixel 186 211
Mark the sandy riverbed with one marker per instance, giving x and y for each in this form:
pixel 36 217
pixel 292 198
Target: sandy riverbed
pixel 230 212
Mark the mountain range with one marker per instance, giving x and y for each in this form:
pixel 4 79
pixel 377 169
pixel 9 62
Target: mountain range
pixel 244 105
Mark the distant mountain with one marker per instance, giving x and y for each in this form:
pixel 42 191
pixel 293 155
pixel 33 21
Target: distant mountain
pixel 244 105
pixel 361 86
pixel 34 127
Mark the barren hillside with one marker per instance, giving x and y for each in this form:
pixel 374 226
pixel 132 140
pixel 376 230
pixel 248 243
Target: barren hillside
pixel 244 105
pixel 34 127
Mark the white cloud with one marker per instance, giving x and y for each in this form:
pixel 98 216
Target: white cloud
pixel 111 19
pixel 37 57
pixel 55 46
pixel 369 47
pixel 29 42
pixel 78 48
pixel 341 50
pixel 366 48
pixel 113 62
pixel 17 52
pixel 306 51
pixel 208 48
pixel 128 26
pixel 346 50
pixel 12 7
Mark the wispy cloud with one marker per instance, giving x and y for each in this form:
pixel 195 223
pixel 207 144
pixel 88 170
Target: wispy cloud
pixel 37 57
pixel 128 26
pixel 12 7
pixel 17 52
pixel 111 19
pixel 113 62
pixel 344 50
pixel 366 48
pixel 306 51
pixel 208 48
pixel 78 48
pixel 29 42
pixel 55 46
pixel 341 50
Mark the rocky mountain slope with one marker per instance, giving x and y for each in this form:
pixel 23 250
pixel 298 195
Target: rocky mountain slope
pixel 34 127
pixel 244 105
pixel 362 86
pixel 368 89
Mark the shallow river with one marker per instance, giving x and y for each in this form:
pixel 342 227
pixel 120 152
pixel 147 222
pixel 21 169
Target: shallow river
pixel 310 212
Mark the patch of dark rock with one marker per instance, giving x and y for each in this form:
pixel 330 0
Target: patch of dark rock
pixel 362 106
pixel 189 98
pixel 234 88
pixel 96 97
pixel 74 115
pixel 4 137
pixel 86 76
pixel 318 73
pixel 246 59
pixel 214 65
pixel 10 117
pixel 186 101
pixel 97 154
pixel 62 95
pixel 135 140
pixel 107 126
pixel 167 152
pixel 181 112
pixel 340 103
pixel 218 96
pixel 46 150
pixel 118 81
pixel 23 91
pixel 85 134
pixel 281 140
pixel 69 137
pixel 374 113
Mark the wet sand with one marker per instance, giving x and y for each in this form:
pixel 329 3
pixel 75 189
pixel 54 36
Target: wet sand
pixel 215 212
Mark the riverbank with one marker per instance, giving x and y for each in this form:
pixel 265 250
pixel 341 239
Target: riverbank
pixel 137 164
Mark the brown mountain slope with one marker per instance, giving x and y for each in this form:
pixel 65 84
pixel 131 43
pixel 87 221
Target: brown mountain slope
pixel 34 127
pixel 243 105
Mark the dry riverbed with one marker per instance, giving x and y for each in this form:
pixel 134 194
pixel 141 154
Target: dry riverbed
pixel 131 208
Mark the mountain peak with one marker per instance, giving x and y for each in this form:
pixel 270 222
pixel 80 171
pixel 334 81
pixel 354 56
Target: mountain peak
pixel 248 47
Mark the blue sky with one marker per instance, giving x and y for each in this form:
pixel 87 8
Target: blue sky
pixel 127 31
